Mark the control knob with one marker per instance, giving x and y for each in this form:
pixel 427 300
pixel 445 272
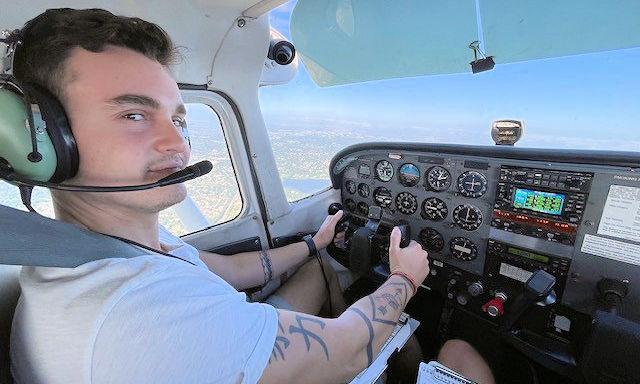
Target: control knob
pixel 476 289
pixel 462 298
pixel 495 306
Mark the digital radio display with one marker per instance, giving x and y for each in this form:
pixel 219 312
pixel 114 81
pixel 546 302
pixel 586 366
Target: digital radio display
pixel 544 202
pixel 528 255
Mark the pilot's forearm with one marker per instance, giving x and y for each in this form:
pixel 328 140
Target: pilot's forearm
pixel 311 350
pixel 379 313
pixel 252 269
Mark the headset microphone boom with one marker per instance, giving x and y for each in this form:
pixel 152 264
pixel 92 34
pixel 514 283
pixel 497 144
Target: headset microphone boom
pixel 191 172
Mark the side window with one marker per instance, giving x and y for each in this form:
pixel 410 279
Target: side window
pixel 214 198
pixel 40 199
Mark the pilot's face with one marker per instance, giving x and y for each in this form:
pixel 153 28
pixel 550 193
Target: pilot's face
pixel 127 117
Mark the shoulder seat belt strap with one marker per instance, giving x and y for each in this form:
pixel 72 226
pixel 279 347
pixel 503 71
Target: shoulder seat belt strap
pixel 35 240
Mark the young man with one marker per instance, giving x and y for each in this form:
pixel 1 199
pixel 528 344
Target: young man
pixel 156 318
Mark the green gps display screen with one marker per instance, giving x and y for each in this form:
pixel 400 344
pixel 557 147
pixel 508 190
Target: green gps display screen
pixel 538 201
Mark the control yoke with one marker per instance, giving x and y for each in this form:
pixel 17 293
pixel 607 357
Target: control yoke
pixel 361 242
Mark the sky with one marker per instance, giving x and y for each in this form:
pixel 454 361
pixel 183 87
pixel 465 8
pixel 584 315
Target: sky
pixel 582 101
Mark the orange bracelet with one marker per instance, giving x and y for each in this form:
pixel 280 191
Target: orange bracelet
pixel 407 277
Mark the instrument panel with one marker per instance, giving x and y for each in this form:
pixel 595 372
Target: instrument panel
pixel 446 201
pixel 491 216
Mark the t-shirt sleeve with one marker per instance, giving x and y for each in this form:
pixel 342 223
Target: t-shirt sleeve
pixel 184 329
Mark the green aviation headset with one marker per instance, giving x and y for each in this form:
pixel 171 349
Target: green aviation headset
pixel 36 141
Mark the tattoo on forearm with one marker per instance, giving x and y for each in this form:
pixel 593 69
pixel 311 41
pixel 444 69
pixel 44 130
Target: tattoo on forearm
pixel 371 334
pixel 266 265
pixel 309 334
pixel 392 300
pixel 401 289
pixel 281 342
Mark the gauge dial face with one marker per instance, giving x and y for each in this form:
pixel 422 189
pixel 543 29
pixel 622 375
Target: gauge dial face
pixel 351 186
pixel 431 239
pixel 434 209
pixel 467 217
pixel 472 184
pixel 363 208
pixel 382 196
pixel 409 175
pixel 406 203
pixel 350 204
pixel 438 179
pixel 384 170
pixel 363 190
pixel 463 249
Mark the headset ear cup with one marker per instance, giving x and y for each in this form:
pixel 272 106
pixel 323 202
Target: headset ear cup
pixel 57 125
pixel 16 139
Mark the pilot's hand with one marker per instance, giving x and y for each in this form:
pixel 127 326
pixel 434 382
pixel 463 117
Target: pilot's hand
pixel 411 260
pixel 339 240
pixel 327 230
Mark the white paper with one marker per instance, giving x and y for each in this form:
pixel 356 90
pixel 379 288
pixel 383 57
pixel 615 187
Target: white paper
pixel 621 214
pixel 611 249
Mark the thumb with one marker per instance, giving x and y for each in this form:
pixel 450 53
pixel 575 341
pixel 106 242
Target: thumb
pixel 394 240
pixel 337 216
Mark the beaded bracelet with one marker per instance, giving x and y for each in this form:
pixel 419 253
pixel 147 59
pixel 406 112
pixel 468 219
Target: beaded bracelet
pixel 408 278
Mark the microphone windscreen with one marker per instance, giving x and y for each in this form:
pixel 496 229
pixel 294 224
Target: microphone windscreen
pixel 202 168
pixel 190 172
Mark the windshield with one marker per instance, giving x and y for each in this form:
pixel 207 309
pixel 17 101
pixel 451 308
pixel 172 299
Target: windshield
pixel 586 101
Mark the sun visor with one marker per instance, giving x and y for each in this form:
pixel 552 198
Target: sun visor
pixel 344 41
pixel 518 30
pixel 351 41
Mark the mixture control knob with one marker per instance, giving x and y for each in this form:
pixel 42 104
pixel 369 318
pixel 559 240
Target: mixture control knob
pixel 495 306
pixel 476 289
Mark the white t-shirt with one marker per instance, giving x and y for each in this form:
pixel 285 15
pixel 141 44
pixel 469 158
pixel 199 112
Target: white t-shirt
pixel 148 319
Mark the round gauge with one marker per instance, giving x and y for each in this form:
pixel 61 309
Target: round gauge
pixel 406 203
pixel 382 197
pixel 363 190
pixel 439 179
pixel 463 249
pixel 350 204
pixel 467 217
pixel 472 184
pixel 351 186
pixel 434 209
pixel 363 208
pixel 431 239
pixel 409 175
pixel 384 170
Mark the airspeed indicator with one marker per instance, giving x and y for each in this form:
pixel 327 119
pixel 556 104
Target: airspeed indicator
pixel 384 170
